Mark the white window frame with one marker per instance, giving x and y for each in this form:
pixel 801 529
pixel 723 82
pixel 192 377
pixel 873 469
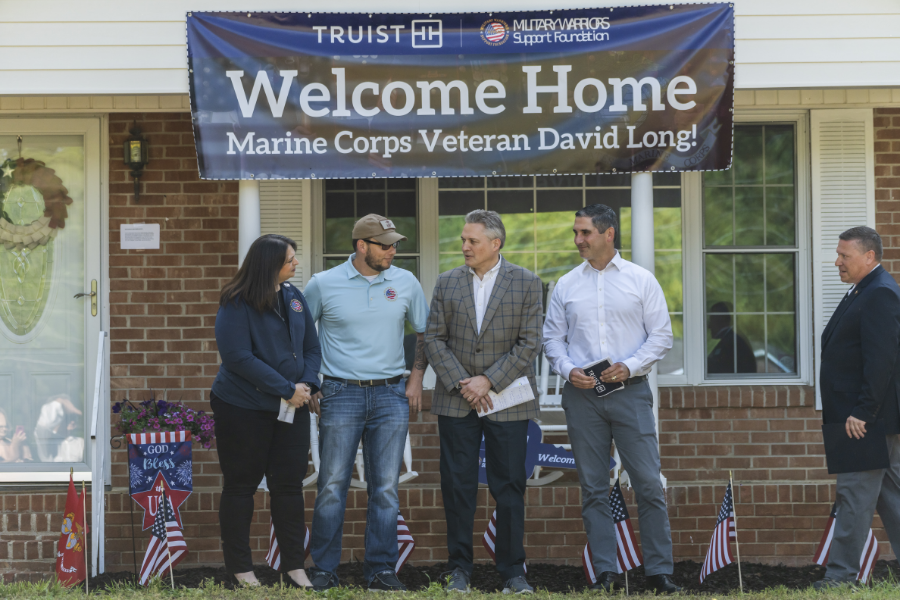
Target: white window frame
pixel 694 328
pixel 317 235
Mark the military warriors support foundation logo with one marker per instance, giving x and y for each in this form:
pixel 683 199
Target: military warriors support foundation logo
pixel 495 32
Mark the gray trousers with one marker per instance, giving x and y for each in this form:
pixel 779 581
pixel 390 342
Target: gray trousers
pixel 858 496
pixel 627 417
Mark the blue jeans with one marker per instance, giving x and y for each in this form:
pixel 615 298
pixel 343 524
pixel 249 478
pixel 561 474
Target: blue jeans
pixel 380 417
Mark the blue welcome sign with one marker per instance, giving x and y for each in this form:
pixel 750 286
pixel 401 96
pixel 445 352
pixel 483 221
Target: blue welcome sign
pixel 593 90
pixel 537 453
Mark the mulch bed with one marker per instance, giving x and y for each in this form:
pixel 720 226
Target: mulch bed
pixel 554 578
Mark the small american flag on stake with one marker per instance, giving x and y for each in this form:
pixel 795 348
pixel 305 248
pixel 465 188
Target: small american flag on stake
pixel 489 539
pixel 869 555
pixel 405 542
pixel 719 553
pixel 628 552
pixel 273 556
pixel 167 547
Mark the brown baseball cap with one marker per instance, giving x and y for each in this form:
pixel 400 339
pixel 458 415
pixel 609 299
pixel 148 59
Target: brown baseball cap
pixel 377 228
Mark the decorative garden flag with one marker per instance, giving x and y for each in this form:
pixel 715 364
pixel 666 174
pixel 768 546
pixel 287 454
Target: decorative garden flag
pixel 158 461
pixel 70 563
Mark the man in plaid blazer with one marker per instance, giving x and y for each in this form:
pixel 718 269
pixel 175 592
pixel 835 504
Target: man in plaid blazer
pixel 483 333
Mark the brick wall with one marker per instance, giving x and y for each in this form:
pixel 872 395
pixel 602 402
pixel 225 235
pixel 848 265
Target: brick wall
pixel 770 437
pixel 163 304
pixel 30 526
pixel 762 433
pixel 887 184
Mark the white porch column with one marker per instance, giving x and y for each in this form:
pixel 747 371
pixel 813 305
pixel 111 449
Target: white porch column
pixel 643 252
pixel 248 216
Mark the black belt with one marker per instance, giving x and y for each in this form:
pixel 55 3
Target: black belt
pixel 365 382
pixel 634 380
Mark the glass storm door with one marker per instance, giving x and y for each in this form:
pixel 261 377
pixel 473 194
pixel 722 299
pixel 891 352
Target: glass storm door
pixel 50 233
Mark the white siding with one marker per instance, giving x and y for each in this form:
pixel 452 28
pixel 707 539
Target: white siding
pixel 138 47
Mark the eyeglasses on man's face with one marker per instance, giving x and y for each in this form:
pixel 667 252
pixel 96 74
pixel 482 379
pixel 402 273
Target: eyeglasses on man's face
pixel 395 245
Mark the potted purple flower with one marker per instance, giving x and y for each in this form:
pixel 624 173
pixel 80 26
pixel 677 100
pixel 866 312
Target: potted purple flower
pixel 151 416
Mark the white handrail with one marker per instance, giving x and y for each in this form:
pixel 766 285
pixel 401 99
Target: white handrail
pixel 545 363
pixel 98 478
pixel 98 381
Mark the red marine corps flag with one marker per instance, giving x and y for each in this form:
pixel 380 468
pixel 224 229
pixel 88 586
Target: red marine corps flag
pixel 71 567
pixel 870 551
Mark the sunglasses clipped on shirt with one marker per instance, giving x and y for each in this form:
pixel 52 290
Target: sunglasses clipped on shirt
pixel 395 245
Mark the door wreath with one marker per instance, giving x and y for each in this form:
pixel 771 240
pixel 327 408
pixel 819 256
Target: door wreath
pixel 33 203
pixel 30 172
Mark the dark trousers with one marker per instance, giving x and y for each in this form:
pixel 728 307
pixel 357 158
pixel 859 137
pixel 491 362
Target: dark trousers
pixel 858 496
pixel 505 457
pixel 253 443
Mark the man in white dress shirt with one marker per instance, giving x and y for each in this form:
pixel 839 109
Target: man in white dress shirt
pixel 611 308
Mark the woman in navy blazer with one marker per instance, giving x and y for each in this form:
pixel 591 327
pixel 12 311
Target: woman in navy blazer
pixel 270 356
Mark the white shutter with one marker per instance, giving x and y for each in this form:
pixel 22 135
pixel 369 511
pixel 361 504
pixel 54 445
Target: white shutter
pixel 284 209
pixel 843 196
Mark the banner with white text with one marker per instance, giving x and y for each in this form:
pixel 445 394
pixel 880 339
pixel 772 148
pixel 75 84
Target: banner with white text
pixel 329 95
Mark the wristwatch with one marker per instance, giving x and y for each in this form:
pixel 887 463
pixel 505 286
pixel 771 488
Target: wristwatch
pixel 459 385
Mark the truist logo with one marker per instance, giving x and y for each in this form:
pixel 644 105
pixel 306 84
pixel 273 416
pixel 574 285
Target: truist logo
pixel 495 32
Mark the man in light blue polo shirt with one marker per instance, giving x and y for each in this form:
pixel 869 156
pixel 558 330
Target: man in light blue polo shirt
pixel 361 308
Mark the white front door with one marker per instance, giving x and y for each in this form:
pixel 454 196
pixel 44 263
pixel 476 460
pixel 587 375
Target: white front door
pixel 50 236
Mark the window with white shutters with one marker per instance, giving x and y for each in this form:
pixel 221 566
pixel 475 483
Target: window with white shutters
pixel 284 209
pixel 843 196
pixel 751 251
pixel 347 200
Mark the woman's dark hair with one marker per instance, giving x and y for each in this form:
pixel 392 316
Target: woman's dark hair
pixel 254 283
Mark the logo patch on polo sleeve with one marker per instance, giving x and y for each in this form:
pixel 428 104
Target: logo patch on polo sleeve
pixel 297 305
pixel 390 294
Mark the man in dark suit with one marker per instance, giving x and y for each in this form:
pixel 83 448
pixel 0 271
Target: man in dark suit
pixel 484 332
pixel 860 386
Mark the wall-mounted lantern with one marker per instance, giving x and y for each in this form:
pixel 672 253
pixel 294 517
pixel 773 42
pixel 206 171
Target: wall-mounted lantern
pixel 136 154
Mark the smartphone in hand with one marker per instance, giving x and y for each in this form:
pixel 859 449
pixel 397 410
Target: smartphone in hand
pixel 20 429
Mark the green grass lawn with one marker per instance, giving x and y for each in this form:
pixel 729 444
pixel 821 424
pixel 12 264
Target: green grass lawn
pixel 158 591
